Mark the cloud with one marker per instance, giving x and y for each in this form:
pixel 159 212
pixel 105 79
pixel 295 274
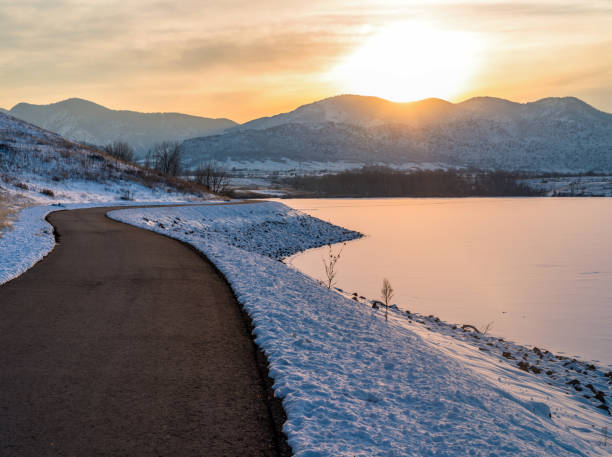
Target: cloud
pixel 160 51
pixel 278 52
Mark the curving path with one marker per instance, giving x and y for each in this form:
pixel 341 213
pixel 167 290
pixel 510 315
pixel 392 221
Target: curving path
pixel 122 342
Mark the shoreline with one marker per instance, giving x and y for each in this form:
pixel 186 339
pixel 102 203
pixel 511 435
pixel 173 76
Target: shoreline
pixel 525 264
pixel 510 352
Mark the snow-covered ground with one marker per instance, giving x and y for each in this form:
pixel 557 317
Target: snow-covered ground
pixel 353 384
pixel 564 186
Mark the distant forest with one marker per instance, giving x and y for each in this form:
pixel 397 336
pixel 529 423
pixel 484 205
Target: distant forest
pixel 386 182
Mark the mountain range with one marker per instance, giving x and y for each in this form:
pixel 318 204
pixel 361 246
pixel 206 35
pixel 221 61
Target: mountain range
pixel 86 122
pixel 552 134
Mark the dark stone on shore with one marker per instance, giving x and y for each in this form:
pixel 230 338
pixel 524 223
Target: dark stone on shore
pixel 523 365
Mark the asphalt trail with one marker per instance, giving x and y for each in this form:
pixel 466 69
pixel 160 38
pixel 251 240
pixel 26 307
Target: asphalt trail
pixel 122 342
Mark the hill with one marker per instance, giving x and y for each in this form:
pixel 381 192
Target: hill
pixel 39 166
pixel 86 122
pixel 552 134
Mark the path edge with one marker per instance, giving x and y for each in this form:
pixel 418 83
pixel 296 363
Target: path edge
pixel 276 411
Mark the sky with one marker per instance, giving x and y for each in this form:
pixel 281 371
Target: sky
pixel 246 59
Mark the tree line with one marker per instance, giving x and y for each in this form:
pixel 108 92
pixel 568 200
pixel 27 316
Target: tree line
pixel 387 182
pixel 166 158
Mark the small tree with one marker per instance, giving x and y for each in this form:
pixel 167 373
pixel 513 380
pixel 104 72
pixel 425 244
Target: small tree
pixel 387 294
pixel 148 162
pixel 330 266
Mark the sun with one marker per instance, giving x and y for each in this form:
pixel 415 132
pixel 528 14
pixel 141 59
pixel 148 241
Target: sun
pixel 408 61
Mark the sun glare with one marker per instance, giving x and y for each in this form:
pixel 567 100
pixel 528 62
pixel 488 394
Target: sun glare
pixel 407 61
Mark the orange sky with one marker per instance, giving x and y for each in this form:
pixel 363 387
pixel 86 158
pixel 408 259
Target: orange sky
pixel 244 59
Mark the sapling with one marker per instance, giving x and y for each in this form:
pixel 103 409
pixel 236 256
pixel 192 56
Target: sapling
pixel 387 294
pixel 487 328
pixel 330 266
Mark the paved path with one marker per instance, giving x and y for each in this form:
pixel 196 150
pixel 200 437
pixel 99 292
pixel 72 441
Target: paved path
pixel 123 342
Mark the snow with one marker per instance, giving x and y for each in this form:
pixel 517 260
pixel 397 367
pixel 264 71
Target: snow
pixel 355 385
pixel 30 239
pixel 563 186
pixel 45 168
pixel 555 135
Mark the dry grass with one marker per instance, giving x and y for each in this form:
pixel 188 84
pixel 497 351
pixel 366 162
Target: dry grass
pixel 10 205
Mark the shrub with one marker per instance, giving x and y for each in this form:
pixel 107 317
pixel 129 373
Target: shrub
pixel 330 267
pixel 212 176
pixel 387 294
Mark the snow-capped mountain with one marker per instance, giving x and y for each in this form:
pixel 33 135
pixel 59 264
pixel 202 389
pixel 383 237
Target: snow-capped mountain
pixel 552 134
pixel 84 121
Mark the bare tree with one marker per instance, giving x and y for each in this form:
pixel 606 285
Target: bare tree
pixel 330 266
pixel 387 294
pixel 167 158
pixel 212 176
pixel 487 328
pixel 120 150
pixel 148 162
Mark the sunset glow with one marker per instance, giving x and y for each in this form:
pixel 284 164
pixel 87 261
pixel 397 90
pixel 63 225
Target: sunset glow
pixel 407 61
pixel 243 60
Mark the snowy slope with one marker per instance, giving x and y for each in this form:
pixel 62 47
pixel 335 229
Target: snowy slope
pixel 355 385
pixel 553 134
pixel 45 168
pixel 358 110
pixel 84 121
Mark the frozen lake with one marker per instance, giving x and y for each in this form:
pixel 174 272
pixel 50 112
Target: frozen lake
pixel 539 269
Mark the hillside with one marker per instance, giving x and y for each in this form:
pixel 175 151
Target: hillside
pixel 84 121
pixel 38 167
pixel 552 134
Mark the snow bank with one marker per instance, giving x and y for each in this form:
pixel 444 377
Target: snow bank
pixel 30 239
pixel 355 385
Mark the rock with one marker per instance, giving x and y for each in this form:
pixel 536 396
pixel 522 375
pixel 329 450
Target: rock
pixel 604 407
pixel 535 370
